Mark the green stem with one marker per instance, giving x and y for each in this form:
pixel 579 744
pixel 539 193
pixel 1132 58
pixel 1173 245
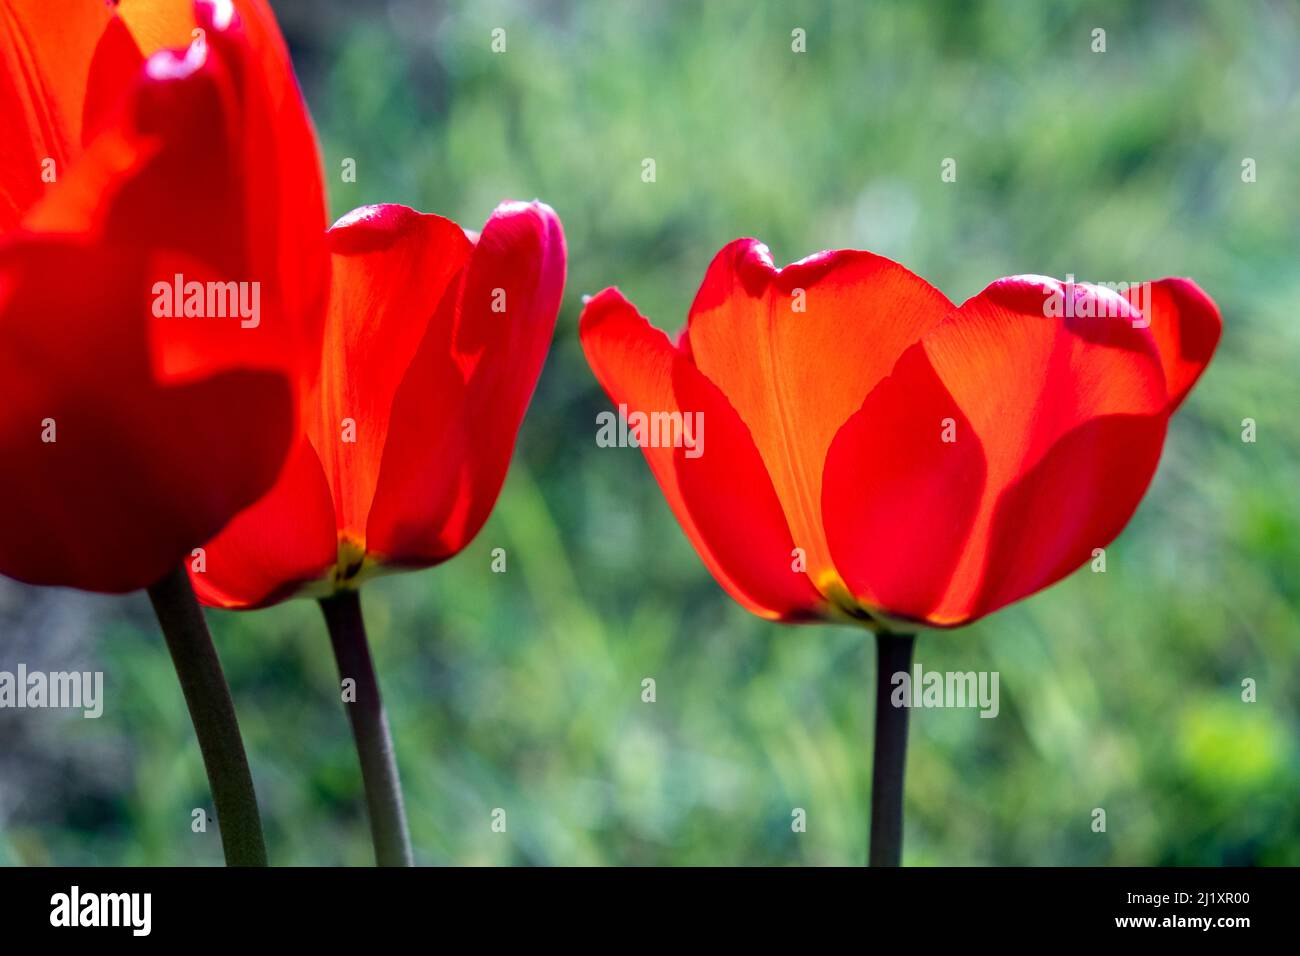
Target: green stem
pixel 893 654
pixel 369 730
pixel 213 714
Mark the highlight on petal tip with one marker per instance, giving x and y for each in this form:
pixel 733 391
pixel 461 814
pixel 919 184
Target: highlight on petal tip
pixel 168 65
pixel 220 13
pixel 361 214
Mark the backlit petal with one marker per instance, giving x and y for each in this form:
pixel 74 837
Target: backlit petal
pixel 723 498
pixel 796 351
pixel 458 409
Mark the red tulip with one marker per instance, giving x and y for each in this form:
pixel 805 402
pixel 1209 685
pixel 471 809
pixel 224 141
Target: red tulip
pixel 434 341
pixel 874 452
pixel 143 143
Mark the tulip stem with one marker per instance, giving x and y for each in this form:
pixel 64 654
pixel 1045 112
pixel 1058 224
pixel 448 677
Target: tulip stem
pixel 893 655
pixel 374 743
pixel 213 714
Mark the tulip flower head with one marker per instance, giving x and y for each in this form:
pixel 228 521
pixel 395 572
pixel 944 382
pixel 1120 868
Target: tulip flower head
pixel 879 454
pixel 434 341
pixel 148 146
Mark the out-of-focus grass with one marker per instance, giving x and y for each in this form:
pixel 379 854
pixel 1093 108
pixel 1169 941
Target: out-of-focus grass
pixel 522 690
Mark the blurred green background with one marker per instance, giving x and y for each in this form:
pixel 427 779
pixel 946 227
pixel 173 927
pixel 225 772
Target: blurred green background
pixel 523 690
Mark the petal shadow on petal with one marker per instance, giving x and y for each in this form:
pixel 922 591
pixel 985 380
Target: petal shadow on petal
pixel 1078 497
pixel 902 486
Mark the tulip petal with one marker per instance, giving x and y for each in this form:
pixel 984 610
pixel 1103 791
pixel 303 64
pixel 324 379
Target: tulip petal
pixel 458 410
pixel 903 483
pixel 1076 498
pixel 1186 325
pixel 281 544
pixel 723 499
pixel 110 478
pixel 392 266
pixel 1069 414
pixel 207 163
pixel 160 24
pixel 281 165
pixel 173 24
pixel 48 51
pixel 797 350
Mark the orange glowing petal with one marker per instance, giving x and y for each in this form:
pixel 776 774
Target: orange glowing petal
pixel 796 351
pixel 723 498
